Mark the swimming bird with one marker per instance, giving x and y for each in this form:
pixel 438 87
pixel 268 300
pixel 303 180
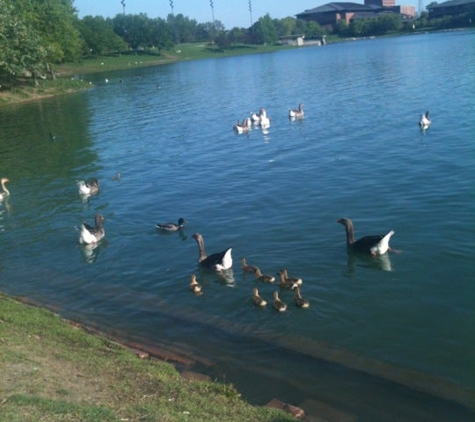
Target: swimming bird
pixel 171 227
pixel 247 268
pixel 424 122
pixel 243 127
pixel 299 300
pixel 284 284
pixel 4 193
pixel 374 245
pixel 116 177
pixel 194 286
pixel 258 301
pixel 264 277
pixel 255 117
pixel 294 280
pixel 91 235
pixel 296 113
pixel 264 120
pixel 218 261
pixel 88 188
pixel 278 304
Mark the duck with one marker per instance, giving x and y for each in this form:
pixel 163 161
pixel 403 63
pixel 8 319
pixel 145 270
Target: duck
pixel 296 113
pixel 243 127
pixel 299 300
pixel 278 304
pixel 284 283
pixel 218 261
pixel 264 277
pixel 171 227
pixel 4 193
pixel 195 287
pixel 255 117
pixel 374 245
pixel 258 300
pixel 295 280
pixel 264 120
pixel 424 122
pixel 88 188
pixel 91 235
pixel 248 268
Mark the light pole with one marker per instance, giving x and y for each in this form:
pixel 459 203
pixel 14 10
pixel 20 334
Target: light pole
pixel 123 5
pixel 250 10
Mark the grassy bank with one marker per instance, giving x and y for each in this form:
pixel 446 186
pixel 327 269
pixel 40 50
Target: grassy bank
pixel 65 83
pixel 51 370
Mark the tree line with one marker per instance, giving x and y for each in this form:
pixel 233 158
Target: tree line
pixel 35 35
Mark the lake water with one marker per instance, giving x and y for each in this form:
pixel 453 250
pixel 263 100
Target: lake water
pixel 388 339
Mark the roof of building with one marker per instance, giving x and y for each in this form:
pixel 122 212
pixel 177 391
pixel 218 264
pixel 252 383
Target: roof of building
pixel 451 3
pixel 344 6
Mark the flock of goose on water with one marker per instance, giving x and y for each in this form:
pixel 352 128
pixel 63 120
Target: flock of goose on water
pixel 373 245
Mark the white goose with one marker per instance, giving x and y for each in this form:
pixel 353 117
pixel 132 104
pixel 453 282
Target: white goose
pixel 91 235
pixel 296 113
pixel 4 192
pixel 243 127
pixel 264 121
pixel 424 122
pixel 88 188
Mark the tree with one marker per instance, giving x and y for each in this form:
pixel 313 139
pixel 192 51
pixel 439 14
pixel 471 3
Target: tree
pixel 99 36
pixel 263 31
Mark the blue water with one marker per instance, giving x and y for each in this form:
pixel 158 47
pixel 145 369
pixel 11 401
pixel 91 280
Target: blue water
pixel 381 335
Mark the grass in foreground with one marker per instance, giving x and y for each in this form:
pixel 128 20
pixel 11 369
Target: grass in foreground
pixel 52 371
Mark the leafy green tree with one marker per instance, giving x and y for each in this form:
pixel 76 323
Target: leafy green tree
pixel 21 46
pixel 99 36
pixel 183 28
pixel 264 31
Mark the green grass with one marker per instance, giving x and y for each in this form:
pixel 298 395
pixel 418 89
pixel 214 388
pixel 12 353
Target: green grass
pixel 53 371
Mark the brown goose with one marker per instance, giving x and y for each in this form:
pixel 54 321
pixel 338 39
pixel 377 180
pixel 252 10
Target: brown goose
pixel 266 278
pixel 258 301
pixel 194 286
pixel 247 268
pixel 299 300
pixel 218 261
pixel 91 235
pixel 374 245
pixel 278 304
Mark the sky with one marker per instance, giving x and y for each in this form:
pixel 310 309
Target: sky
pixel 230 13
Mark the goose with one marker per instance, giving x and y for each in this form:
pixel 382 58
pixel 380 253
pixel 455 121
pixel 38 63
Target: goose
pixel 247 268
pixel 295 280
pixel 218 261
pixel 285 284
pixel 299 300
pixel 278 304
pixel 255 117
pixel 194 286
pixel 264 120
pixel 4 193
pixel 243 127
pixel 296 113
pixel 258 301
pixel 88 188
pixel 171 227
pixel 374 245
pixel 91 235
pixel 424 122
pixel 264 277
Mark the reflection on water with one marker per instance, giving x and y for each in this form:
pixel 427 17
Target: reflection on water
pixel 380 262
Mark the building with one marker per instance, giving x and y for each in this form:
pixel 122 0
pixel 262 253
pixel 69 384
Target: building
pixel 452 7
pixel 330 14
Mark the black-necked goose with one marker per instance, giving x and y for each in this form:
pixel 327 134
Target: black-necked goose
pixel 90 187
pixel 243 127
pixel 4 192
pixel 218 261
pixel 248 268
pixel 266 278
pixel 258 300
pixel 171 227
pixel 91 235
pixel 195 287
pixel 278 304
pixel 299 300
pixel 424 121
pixel 374 245
pixel 296 113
